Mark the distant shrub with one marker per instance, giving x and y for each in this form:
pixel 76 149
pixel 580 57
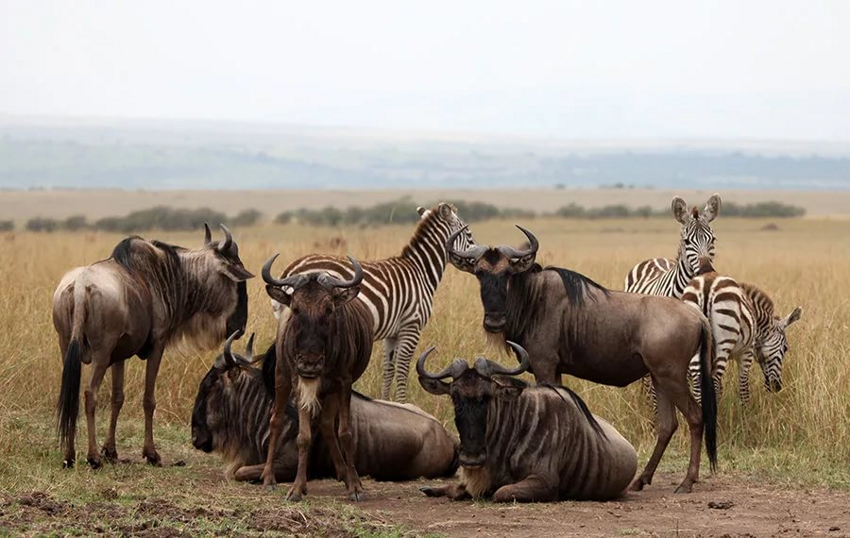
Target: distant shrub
pixel 729 209
pixel 42 224
pixel 75 223
pixel 162 218
pixel 761 209
pixel 7 225
pixel 247 217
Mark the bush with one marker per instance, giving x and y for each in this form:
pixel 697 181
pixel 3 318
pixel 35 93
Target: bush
pixel 7 225
pixel 247 217
pixel 75 223
pixel 162 218
pixel 42 224
pixel 762 209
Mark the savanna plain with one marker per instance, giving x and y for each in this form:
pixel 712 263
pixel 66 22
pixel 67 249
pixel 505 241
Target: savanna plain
pixel 784 459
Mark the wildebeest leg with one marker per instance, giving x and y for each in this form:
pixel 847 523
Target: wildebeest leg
pixel 545 369
pixel 408 338
pixel 346 441
pixel 108 452
pixel 682 398
pixel 667 425
pixel 99 365
pixel 455 492
pixel 149 404
pixel 389 367
pixel 534 488
pixel 254 473
pixel 327 425
pixel 299 487
pixel 283 389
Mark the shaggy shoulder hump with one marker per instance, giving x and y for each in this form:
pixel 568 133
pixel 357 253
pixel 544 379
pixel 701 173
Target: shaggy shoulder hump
pixel 576 284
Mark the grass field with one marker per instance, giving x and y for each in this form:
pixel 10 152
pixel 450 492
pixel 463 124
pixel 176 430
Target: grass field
pixel 795 437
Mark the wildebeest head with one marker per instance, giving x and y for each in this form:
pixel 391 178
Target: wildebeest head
pixel 210 412
pixel 771 350
pixel 697 240
pixel 472 390
pixel 493 267
pixel 313 299
pixel 225 257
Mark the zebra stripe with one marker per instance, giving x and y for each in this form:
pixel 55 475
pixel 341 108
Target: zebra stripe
pixel 398 291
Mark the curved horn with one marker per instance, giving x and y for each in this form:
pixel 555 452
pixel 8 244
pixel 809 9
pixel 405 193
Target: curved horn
pixel 229 359
pixel 487 367
pixel 207 235
pixel 292 280
pixel 533 243
pixel 249 350
pixel 472 253
pixel 453 370
pixel 329 281
pixel 228 239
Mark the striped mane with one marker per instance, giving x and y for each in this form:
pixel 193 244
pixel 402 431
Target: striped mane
pixel 425 224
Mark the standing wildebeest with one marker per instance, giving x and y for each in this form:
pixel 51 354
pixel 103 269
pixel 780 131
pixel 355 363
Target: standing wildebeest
pixel 145 296
pixel 398 291
pixel 571 325
pixel 323 347
pixel 527 444
pixel 231 416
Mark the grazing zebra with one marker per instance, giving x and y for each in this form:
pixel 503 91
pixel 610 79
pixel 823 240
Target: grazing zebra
pixel 744 327
pixel 663 276
pixel 398 291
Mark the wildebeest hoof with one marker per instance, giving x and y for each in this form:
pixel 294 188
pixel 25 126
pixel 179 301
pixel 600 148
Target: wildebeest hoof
pixel 639 483
pixel 684 489
pixel 109 454
pixel 431 491
pixel 68 464
pixel 294 496
pixel 356 496
pixel 94 463
pixel 153 459
pixel 271 487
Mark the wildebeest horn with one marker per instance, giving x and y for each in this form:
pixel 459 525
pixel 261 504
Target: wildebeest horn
pixel 329 281
pixel 207 235
pixel 472 253
pixel 453 370
pixel 228 239
pixel 227 354
pixel 513 253
pixel 249 350
pixel 292 280
pixel 487 367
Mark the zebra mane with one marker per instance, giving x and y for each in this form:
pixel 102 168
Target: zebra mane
pixel 422 229
pixel 760 299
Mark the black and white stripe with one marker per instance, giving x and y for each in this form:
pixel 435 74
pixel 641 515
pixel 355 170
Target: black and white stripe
pixel 398 291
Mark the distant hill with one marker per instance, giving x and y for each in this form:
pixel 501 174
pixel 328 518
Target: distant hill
pixel 199 155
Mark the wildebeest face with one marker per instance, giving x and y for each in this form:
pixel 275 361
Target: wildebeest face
pixel 493 267
pixel 472 391
pixel 313 300
pixel 225 255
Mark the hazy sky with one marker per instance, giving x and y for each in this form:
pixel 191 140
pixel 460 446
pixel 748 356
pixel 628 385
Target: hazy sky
pixel 595 69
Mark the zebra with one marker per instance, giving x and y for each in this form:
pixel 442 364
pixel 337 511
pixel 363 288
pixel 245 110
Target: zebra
pixel 668 277
pixel 398 291
pixel 744 328
pixel 664 276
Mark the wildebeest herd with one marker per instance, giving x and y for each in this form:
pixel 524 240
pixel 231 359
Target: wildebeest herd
pixel 291 413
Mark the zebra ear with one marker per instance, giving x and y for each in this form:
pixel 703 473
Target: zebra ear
pixel 712 208
pixel 423 212
pixel 445 210
pixel 680 209
pixel 792 317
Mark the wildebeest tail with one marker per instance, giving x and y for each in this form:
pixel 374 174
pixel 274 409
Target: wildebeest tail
pixel 709 398
pixel 69 394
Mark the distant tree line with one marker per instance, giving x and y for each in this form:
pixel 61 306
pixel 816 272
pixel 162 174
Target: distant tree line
pixel 398 212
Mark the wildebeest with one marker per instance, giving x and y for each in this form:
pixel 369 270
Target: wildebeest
pixel 231 417
pixel 571 325
pixel 527 444
pixel 145 296
pixel 323 345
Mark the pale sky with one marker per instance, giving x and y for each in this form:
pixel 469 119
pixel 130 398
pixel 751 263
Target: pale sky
pixel 595 69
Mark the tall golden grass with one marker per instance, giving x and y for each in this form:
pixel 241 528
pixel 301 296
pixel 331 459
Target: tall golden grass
pixel 804 263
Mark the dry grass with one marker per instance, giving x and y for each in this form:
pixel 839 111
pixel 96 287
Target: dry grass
pixel 802 430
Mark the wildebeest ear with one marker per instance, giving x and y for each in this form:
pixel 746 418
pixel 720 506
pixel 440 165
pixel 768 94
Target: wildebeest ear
pixel 445 210
pixel 435 386
pixel 680 209
pixel 278 295
pixel 238 272
pixel 344 295
pixel 508 392
pixel 520 265
pixel 461 263
pixel 712 208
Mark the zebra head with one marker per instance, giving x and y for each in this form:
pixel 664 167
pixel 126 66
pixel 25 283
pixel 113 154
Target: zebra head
pixel 447 215
pixel 697 241
pixel 771 350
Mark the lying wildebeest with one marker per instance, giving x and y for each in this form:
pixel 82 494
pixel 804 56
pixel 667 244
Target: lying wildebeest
pixel 145 296
pixel 571 325
pixel 527 444
pixel 231 416
pixel 323 345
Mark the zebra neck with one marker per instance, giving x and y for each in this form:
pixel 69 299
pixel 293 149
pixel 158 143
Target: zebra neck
pixel 677 278
pixel 426 252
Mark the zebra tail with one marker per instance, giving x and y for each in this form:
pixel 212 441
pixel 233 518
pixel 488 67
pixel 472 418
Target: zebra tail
pixel 709 398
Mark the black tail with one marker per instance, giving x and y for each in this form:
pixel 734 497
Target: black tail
pixel 69 395
pixel 709 398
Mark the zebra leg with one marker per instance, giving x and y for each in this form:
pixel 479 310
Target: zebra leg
pixel 744 375
pixel 408 339
pixel 649 390
pixel 389 367
pixel 695 378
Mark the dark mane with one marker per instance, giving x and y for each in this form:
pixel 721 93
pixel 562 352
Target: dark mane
pixel 424 224
pixel 576 284
pixel 582 407
pixel 122 253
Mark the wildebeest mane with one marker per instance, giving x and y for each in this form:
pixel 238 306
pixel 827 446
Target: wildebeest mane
pixel 123 251
pixel 576 284
pixel 579 403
